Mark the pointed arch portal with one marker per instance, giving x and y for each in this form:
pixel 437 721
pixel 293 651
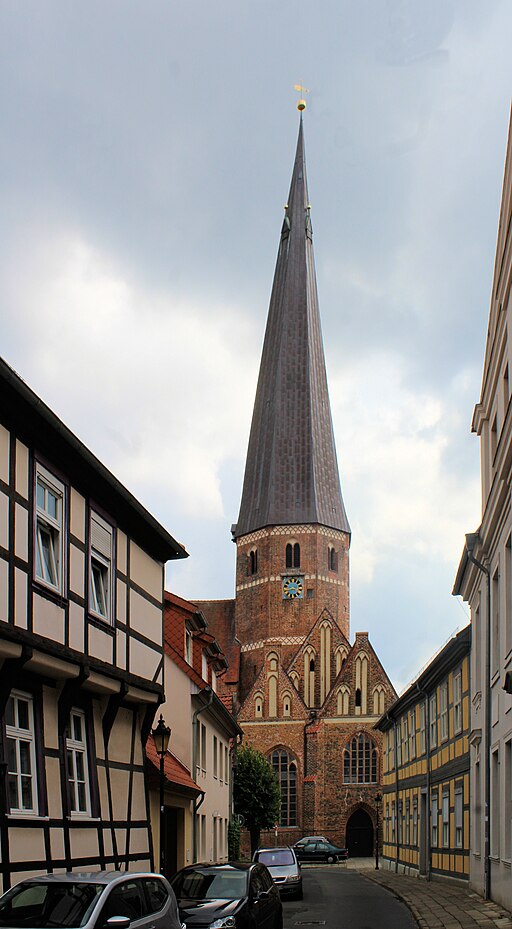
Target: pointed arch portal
pixel 360 834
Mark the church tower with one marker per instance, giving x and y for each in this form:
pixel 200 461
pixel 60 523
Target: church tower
pixel 303 695
pixel 292 534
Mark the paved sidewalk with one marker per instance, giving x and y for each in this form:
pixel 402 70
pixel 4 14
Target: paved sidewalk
pixel 435 904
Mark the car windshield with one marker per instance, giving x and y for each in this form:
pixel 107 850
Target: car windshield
pixel 206 884
pixel 48 905
pixel 273 859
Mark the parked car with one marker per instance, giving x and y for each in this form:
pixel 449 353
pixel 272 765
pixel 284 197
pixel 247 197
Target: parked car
pixel 284 867
pixel 91 899
pixel 320 851
pixel 237 894
pixel 312 838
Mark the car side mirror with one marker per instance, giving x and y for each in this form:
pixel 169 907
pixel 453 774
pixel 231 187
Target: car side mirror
pixel 118 922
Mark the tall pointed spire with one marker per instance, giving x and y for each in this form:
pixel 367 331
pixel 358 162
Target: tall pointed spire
pixel 291 473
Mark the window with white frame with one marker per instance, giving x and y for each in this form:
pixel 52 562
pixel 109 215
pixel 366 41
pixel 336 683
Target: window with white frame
pixel 423 716
pixel 203 748
pixel 412 735
pixel 459 799
pixel 204 666
pixel 21 759
pixel 405 738
pixel 457 702
pixel 215 756
pixel 78 771
pixel 446 817
pixel 393 821
pixel 433 720
pixel 407 822
pixel 434 813
pixel 101 568
pixel 226 765
pixel 49 529
pixel 415 820
pixel 443 711
pixel 214 680
pixel 221 762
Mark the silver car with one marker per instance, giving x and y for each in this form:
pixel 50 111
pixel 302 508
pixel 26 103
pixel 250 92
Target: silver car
pixel 284 868
pixel 90 900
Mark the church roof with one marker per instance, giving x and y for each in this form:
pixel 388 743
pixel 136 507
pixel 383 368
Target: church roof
pixel 291 473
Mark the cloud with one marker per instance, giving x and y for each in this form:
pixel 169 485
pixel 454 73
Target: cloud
pixel 394 443
pixel 157 387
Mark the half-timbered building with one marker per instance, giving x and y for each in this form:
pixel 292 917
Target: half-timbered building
pixel 425 786
pixel 81 649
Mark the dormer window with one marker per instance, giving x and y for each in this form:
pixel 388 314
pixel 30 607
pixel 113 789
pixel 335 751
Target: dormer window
pixel 214 680
pixel 188 645
pixel 204 667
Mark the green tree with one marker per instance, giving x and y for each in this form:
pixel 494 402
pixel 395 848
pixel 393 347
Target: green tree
pixel 256 793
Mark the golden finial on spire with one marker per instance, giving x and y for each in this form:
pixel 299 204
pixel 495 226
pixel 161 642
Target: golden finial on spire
pixel 301 104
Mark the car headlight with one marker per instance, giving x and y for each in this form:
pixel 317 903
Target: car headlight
pixel 292 878
pixel 225 922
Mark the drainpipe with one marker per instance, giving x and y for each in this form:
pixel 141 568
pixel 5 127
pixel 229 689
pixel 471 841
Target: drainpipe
pixel 206 692
pixel 471 540
pixel 427 749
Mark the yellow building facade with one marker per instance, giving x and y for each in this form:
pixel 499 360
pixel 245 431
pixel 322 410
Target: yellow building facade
pixel 425 783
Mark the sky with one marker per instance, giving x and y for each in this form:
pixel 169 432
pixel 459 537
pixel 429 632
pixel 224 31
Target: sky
pixel 146 150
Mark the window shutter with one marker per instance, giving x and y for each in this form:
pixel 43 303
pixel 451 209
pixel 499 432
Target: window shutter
pixel 101 538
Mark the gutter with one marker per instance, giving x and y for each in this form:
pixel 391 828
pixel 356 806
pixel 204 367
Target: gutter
pixel 207 692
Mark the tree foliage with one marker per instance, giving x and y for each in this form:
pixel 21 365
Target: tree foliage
pixel 256 792
pixel 233 840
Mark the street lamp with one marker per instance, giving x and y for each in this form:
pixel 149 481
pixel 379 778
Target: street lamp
pixel 161 736
pixel 378 799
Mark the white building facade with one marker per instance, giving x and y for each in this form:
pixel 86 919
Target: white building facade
pixel 484 580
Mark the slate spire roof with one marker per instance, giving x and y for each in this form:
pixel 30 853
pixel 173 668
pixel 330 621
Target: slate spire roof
pixel 291 472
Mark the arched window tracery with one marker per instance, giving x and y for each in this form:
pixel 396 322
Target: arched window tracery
pixel 360 760
pixel 343 701
pixel 341 657
pixel 292 555
pixel 258 705
pixel 285 769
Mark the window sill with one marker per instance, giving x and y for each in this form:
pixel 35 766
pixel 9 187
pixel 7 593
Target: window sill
pixel 34 817
pixel 44 590
pixel 82 817
pixel 104 624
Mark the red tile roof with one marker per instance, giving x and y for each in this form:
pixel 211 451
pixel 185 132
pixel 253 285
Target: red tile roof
pixel 175 772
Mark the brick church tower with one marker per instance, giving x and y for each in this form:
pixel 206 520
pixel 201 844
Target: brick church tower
pixel 303 694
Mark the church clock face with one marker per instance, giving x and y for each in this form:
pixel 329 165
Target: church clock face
pixel 293 588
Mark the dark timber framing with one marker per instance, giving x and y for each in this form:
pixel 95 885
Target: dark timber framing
pixel 57 657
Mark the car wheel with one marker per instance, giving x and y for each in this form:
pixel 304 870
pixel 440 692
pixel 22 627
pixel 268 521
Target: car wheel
pixel 330 859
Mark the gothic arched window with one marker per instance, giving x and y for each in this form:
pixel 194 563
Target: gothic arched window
pixel 296 555
pixel 253 558
pixel 285 769
pixel 360 761
pixel 289 555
